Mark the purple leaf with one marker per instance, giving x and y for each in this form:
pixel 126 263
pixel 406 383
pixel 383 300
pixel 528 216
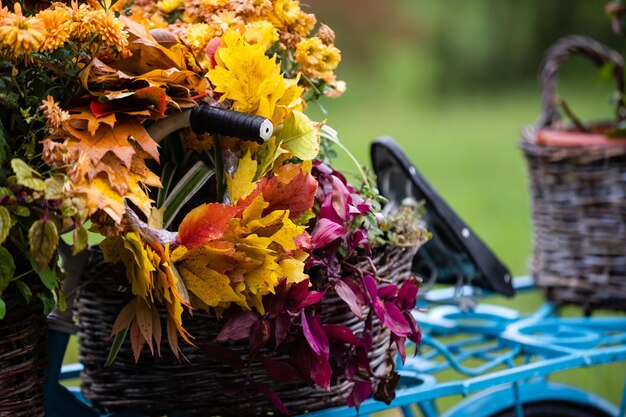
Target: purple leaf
pixel 407 296
pixel 314 335
pixel 395 320
pixel 275 303
pixel 416 332
pixel 336 331
pixel 280 371
pixel 259 335
pixel 281 328
pixel 362 391
pixel 300 296
pixel 359 239
pixel 357 289
pixel 349 297
pixel 388 292
pixel 220 353
pixel 340 195
pixel 375 302
pixel 326 232
pixel 363 362
pixel 400 343
pixel 321 372
pixel 237 327
pixel 271 395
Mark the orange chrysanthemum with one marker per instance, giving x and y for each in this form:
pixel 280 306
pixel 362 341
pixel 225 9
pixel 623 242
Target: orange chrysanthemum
pixel 21 35
pixel 58 23
pixel 54 114
pixel 110 29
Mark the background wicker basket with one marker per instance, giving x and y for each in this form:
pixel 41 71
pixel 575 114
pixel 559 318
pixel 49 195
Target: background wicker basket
pixel 23 357
pixel 578 185
pixel 160 384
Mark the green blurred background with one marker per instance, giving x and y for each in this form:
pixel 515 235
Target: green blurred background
pixel 454 82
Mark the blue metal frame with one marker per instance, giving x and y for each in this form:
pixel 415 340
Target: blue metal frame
pixel 515 355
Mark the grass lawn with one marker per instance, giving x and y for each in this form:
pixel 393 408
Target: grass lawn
pixel 466 147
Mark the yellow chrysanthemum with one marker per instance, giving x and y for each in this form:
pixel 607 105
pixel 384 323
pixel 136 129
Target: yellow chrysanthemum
pixel 245 75
pixel 58 23
pixel 81 24
pixel 315 58
pixel 214 4
pixel 19 34
pixel 261 33
pixel 286 12
pixel 198 35
pixel 253 7
pixel 110 29
pixel 168 6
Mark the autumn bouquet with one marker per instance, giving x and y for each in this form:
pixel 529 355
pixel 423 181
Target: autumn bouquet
pixel 249 252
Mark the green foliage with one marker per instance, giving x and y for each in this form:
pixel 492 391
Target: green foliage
pixel 7 268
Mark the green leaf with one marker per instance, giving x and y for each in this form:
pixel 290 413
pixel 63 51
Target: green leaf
pixel 5 224
pixel 24 289
pixel 300 136
pixel 81 240
pixel 3 309
pixel 21 211
pixel 43 237
pixel 61 301
pixel 47 276
pixel 26 176
pixel 116 346
pixel 5 191
pixel 186 189
pixel 7 268
pixel 54 187
pixel 48 302
pixel 5 148
pixel 167 176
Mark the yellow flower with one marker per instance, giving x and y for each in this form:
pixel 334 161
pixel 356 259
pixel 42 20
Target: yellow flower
pixel 262 33
pixel 286 12
pixel 198 35
pixel 19 34
pixel 110 29
pixel 253 7
pixel 315 58
pixel 214 4
pixel 225 19
pixel 245 75
pixel 81 24
pixel 168 6
pixel 58 23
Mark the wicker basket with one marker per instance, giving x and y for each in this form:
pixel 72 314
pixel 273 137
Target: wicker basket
pixel 157 385
pixel 23 357
pixel 578 185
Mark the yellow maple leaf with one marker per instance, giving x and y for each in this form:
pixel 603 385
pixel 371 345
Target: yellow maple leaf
pixel 300 136
pixel 241 184
pixel 211 287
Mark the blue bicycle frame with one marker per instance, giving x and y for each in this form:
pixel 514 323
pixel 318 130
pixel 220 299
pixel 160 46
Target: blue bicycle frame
pixel 502 356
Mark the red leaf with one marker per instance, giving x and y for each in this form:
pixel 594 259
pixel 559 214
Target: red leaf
pixel 280 371
pixel 297 195
pixel 281 327
pixel 205 223
pixel 375 302
pixel 149 98
pixel 300 296
pixel 407 296
pixel 238 327
pixel 349 297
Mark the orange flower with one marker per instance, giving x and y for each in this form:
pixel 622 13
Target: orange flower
pixel 19 34
pixel 58 23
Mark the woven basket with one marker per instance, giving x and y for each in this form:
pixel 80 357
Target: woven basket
pixel 157 385
pixel 23 357
pixel 578 185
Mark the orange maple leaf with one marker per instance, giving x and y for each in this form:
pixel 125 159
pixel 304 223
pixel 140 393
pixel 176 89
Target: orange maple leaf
pixel 205 223
pixel 118 139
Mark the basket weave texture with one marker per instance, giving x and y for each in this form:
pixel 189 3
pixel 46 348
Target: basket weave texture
pixel 23 357
pixel 156 385
pixel 579 222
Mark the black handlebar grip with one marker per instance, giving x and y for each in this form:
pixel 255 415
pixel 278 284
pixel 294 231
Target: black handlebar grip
pixel 209 119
